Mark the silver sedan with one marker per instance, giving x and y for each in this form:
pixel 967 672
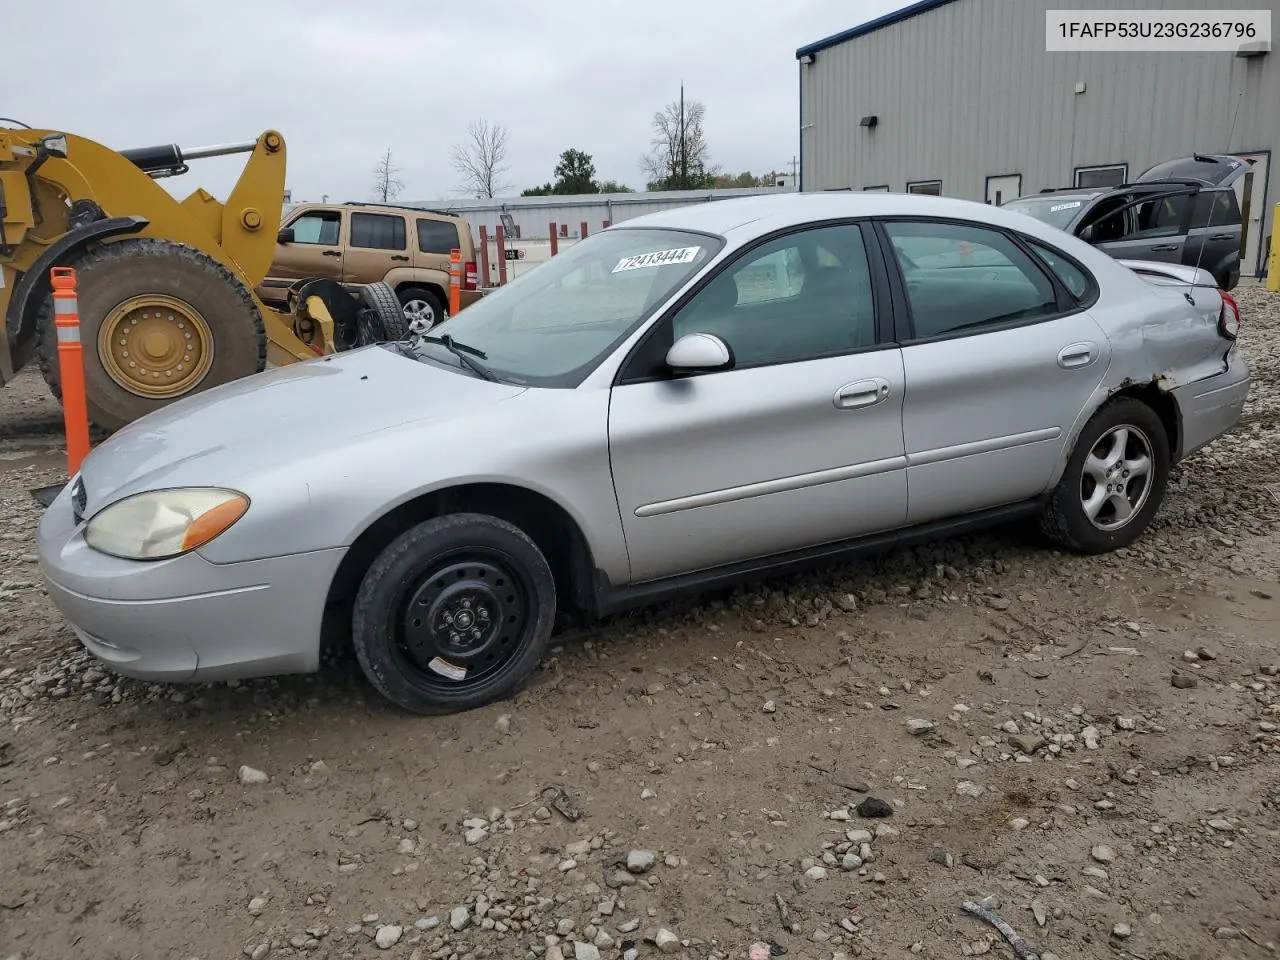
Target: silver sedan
pixel 680 402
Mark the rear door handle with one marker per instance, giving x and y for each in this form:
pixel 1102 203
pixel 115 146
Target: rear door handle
pixel 862 393
pixel 332 253
pixel 1164 246
pixel 405 259
pixel 1223 236
pixel 1077 355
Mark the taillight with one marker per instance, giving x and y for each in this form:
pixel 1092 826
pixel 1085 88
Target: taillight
pixel 1229 318
pixel 470 276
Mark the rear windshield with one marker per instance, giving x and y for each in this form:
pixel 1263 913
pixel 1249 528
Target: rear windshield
pixel 1057 211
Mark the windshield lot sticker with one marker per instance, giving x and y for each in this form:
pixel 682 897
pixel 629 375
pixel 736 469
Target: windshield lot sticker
pixel 1065 206
pixel 659 258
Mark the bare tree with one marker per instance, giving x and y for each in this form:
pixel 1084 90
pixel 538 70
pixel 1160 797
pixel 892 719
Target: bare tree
pixel 386 185
pixel 680 156
pixel 481 160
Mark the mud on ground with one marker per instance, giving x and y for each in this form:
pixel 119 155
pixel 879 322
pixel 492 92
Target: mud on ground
pixel 1091 743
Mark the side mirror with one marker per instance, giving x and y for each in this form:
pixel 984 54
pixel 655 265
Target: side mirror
pixel 285 235
pixel 698 353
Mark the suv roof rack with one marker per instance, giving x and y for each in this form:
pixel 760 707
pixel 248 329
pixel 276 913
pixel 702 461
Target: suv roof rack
pixel 398 206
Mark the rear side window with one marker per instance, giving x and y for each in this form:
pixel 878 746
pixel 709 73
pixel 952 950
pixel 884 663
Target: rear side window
pixel 377 231
pixel 1215 208
pixel 962 277
pixel 318 226
pixel 1073 278
pixel 438 236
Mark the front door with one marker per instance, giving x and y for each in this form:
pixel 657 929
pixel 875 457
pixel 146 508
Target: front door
pixel 1251 192
pixel 1154 228
pixel 316 248
pixel 998 366
pixel 1003 189
pixel 799 444
pixel 376 244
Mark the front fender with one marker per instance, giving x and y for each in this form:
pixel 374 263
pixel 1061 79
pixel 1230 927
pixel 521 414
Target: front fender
pixel 34 286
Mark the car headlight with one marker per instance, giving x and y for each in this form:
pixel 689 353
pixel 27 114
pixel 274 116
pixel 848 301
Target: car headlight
pixel 164 523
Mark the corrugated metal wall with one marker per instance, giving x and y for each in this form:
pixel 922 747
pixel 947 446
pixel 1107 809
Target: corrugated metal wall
pixel 967 91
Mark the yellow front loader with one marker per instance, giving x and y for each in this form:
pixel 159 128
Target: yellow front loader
pixel 166 287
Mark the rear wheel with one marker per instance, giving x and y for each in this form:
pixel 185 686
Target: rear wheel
pixel 158 320
pixel 454 614
pixel 1114 482
pixel 423 309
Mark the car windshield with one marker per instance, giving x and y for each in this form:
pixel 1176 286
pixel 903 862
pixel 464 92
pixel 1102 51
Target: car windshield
pixel 554 324
pixel 1057 211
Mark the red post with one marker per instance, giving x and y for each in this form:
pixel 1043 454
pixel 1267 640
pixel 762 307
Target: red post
pixel 484 255
pixel 501 242
pixel 555 239
pixel 75 408
pixel 455 281
pixel 582 230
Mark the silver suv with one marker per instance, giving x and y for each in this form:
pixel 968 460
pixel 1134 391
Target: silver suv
pixel 1181 211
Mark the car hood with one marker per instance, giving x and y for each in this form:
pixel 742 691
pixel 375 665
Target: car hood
pixel 279 416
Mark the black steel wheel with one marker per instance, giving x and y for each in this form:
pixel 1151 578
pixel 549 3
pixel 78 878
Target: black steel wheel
pixel 454 614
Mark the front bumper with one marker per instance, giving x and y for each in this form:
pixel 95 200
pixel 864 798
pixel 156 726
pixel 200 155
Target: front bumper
pixel 1211 407
pixel 186 618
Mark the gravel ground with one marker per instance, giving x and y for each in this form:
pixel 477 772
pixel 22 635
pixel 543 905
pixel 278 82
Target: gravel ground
pixel 830 764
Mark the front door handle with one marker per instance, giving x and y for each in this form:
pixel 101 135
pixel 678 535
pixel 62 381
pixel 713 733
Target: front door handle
pixel 1077 355
pixel 405 259
pixel 862 393
pixel 1163 247
pixel 333 253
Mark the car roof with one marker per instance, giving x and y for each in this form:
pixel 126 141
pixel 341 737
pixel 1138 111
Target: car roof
pixel 744 217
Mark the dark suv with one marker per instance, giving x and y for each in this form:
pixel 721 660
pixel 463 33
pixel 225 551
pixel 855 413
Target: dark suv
pixel 1180 211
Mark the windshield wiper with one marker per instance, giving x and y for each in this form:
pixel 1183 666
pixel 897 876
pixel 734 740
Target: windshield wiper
pixel 465 354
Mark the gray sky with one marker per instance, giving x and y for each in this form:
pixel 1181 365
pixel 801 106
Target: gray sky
pixel 343 80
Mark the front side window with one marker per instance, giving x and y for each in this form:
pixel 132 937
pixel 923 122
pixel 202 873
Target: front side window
pixel 1159 217
pixel 318 226
pixel 377 231
pixel 963 277
pixel 551 326
pixel 798 297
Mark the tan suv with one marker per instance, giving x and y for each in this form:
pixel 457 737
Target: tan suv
pixel 357 243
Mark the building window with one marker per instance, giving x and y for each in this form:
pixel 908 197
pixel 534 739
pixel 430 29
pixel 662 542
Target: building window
pixel 881 188
pixel 1108 175
pixel 931 187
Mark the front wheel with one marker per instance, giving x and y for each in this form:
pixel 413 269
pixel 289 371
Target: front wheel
pixel 454 614
pixel 1114 482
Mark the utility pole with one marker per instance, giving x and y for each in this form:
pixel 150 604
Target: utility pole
pixel 684 160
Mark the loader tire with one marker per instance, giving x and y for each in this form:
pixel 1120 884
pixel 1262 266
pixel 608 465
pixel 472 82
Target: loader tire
pixel 159 320
pixel 386 314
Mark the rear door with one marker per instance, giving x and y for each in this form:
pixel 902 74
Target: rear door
pixel 1213 240
pixel 376 244
pixel 999 359
pixel 316 248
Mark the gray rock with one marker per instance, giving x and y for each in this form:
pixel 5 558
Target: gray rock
pixel 816 873
pixel 847 602
pixel 475 835
pixel 631 926
pixel 585 951
pixel 503 723
pixel 850 862
pixel 459 918
pixel 873 807
pixel 667 942
pixel 388 936
pixel 427 923
pixel 1122 931
pixel 640 861
pixel 919 726
pixel 1204 653
pixel 251 777
pixel 858 836
pixel 967 788
pixel 1103 854
pixel 769 707
pixel 942 857
pixel 1026 743
pixel 257 905
pixel 1184 681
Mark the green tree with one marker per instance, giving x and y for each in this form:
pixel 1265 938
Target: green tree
pixel 543 191
pixel 613 186
pixel 575 173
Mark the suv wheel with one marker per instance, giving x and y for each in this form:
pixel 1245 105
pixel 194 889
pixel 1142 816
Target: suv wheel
pixel 454 614
pixel 422 308
pixel 1114 482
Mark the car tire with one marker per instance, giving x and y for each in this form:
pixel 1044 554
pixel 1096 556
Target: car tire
pixel 387 318
pixel 454 614
pixel 1121 436
pixel 422 308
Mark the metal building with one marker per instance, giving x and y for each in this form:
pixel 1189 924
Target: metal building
pixel 533 215
pixel 960 98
